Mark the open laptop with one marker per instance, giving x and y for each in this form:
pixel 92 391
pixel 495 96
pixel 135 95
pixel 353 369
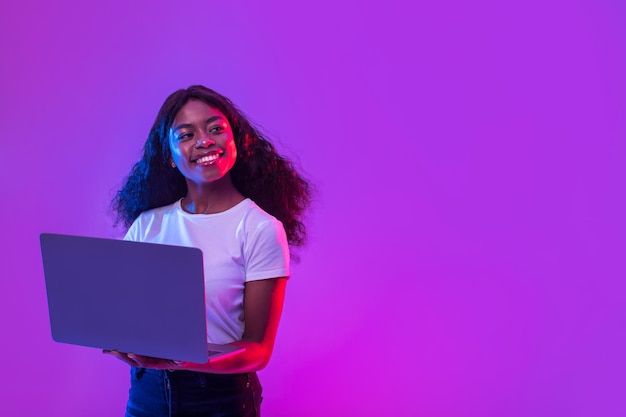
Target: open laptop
pixel 143 298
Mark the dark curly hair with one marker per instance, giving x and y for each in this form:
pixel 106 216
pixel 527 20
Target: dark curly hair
pixel 259 173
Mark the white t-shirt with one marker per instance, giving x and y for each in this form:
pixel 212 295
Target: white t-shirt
pixel 241 244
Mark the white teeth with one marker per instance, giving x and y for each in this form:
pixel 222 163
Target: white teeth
pixel 208 158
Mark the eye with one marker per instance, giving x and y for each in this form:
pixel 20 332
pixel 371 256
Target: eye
pixel 185 136
pixel 216 129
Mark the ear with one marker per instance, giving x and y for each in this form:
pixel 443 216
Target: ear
pixel 172 163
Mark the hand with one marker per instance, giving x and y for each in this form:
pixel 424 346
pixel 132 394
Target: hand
pixel 144 361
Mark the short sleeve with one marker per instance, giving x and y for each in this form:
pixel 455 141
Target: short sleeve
pixel 133 232
pixel 267 252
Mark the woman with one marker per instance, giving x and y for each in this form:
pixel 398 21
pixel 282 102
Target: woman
pixel 208 179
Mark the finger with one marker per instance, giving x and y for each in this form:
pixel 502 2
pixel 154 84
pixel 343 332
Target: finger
pixel 171 365
pixel 124 358
pixel 151 362
pixel 134 359
pixel 144 361
pixel 139 360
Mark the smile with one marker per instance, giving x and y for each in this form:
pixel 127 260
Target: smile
pixel 208 159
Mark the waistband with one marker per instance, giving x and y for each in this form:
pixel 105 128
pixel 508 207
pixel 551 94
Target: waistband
pixel 185 374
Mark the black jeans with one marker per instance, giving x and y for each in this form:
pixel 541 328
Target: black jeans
pixel 155 393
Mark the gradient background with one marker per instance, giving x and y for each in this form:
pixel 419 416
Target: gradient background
pixel 467 245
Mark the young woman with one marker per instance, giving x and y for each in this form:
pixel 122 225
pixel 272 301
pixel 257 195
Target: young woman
pixel 209 179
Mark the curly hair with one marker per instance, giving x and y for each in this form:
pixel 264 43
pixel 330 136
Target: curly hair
pixel 259 173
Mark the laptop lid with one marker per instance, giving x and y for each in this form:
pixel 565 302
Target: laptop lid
pixel 143 298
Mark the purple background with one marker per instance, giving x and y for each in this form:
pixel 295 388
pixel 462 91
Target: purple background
pixel 467 243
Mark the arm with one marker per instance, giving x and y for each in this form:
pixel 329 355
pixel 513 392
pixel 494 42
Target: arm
pixel 263 305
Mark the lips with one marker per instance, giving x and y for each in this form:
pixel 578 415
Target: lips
pixel 206 158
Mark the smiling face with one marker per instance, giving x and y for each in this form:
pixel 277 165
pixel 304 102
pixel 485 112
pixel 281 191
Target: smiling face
pixel 202 143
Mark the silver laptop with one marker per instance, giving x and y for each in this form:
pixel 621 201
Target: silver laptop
pixel 143 298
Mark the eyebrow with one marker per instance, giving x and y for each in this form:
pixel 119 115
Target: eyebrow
pixel 189 125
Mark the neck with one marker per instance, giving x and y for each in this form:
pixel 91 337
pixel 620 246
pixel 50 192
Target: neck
pixel 211 198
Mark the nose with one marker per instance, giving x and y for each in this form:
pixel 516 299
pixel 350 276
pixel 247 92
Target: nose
pixel 204 142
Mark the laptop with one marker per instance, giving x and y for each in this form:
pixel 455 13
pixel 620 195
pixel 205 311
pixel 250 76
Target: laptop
pixel 144 298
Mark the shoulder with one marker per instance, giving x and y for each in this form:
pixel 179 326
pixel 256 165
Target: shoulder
pixel 262 230
pixel 148 219
pixel 266 250
pixel 159 212
pixel 257 219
